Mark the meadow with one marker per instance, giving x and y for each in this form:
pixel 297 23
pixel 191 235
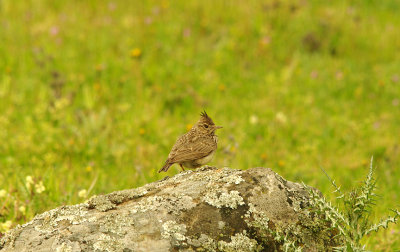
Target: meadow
pixel 93 94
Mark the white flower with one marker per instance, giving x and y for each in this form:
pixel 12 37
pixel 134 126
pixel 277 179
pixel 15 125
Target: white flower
pixel 5 226
pixel 82 193
pixel 3 193
pixel 40 187
pixel 22 209
pixel 28 182
pixel 281 117
pixel 253 119
pixel 29 179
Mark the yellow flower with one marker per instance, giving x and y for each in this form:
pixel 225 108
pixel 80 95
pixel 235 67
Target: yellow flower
pixel 5 226
pixel 22 209
pixel 142 131
pixel 189 126
pixel 99 67
pixel 3 193
pixel 82 193
pixel 136 53
pixel 264 156
pixel 71 141
pixel 222 87
pixel 281 163
pixel 40 187
pixel 97 86
pixel 89 168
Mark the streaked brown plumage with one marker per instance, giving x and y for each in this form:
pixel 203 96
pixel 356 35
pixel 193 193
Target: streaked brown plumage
pixel 196 147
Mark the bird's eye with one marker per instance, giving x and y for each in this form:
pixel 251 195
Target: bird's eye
pixel 205 126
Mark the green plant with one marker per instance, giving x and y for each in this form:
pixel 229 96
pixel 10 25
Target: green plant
pixel 353 221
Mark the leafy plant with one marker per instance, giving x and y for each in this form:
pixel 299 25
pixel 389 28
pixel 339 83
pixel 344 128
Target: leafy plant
pixel 353 222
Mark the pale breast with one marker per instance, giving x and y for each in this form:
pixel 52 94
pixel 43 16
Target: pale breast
pixel 199 162
pixel 206 159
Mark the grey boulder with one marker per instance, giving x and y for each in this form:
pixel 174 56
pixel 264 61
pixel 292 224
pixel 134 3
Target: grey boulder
pixel 207 209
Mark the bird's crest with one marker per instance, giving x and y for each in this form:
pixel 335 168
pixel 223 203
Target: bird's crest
pixel 205 118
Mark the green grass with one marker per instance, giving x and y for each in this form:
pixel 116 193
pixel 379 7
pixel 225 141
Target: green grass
pixel 296 85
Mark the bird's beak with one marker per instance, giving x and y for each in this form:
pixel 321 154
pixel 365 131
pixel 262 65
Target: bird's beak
pixel 218 127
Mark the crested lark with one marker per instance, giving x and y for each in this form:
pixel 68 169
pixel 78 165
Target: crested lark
pixel 196 147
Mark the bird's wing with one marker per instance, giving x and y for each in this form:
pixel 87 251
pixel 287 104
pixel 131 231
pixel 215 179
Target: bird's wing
pixel 188 151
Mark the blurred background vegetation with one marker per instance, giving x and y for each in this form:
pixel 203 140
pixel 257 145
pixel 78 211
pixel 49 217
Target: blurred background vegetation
pixel 93 94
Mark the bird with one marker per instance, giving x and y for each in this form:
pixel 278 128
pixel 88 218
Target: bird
pixel 195 148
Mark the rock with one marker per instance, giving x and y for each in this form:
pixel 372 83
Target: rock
pixel 207 209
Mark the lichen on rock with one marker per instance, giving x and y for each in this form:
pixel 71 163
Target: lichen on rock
pixel 207 209
pixel 230 199
pixel 107 243
pixel 239 242
pixel 173 231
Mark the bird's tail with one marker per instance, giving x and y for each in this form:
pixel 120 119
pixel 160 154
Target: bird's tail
pixel 165 167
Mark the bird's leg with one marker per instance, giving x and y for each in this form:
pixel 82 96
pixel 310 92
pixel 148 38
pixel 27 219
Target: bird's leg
pixel 183 169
